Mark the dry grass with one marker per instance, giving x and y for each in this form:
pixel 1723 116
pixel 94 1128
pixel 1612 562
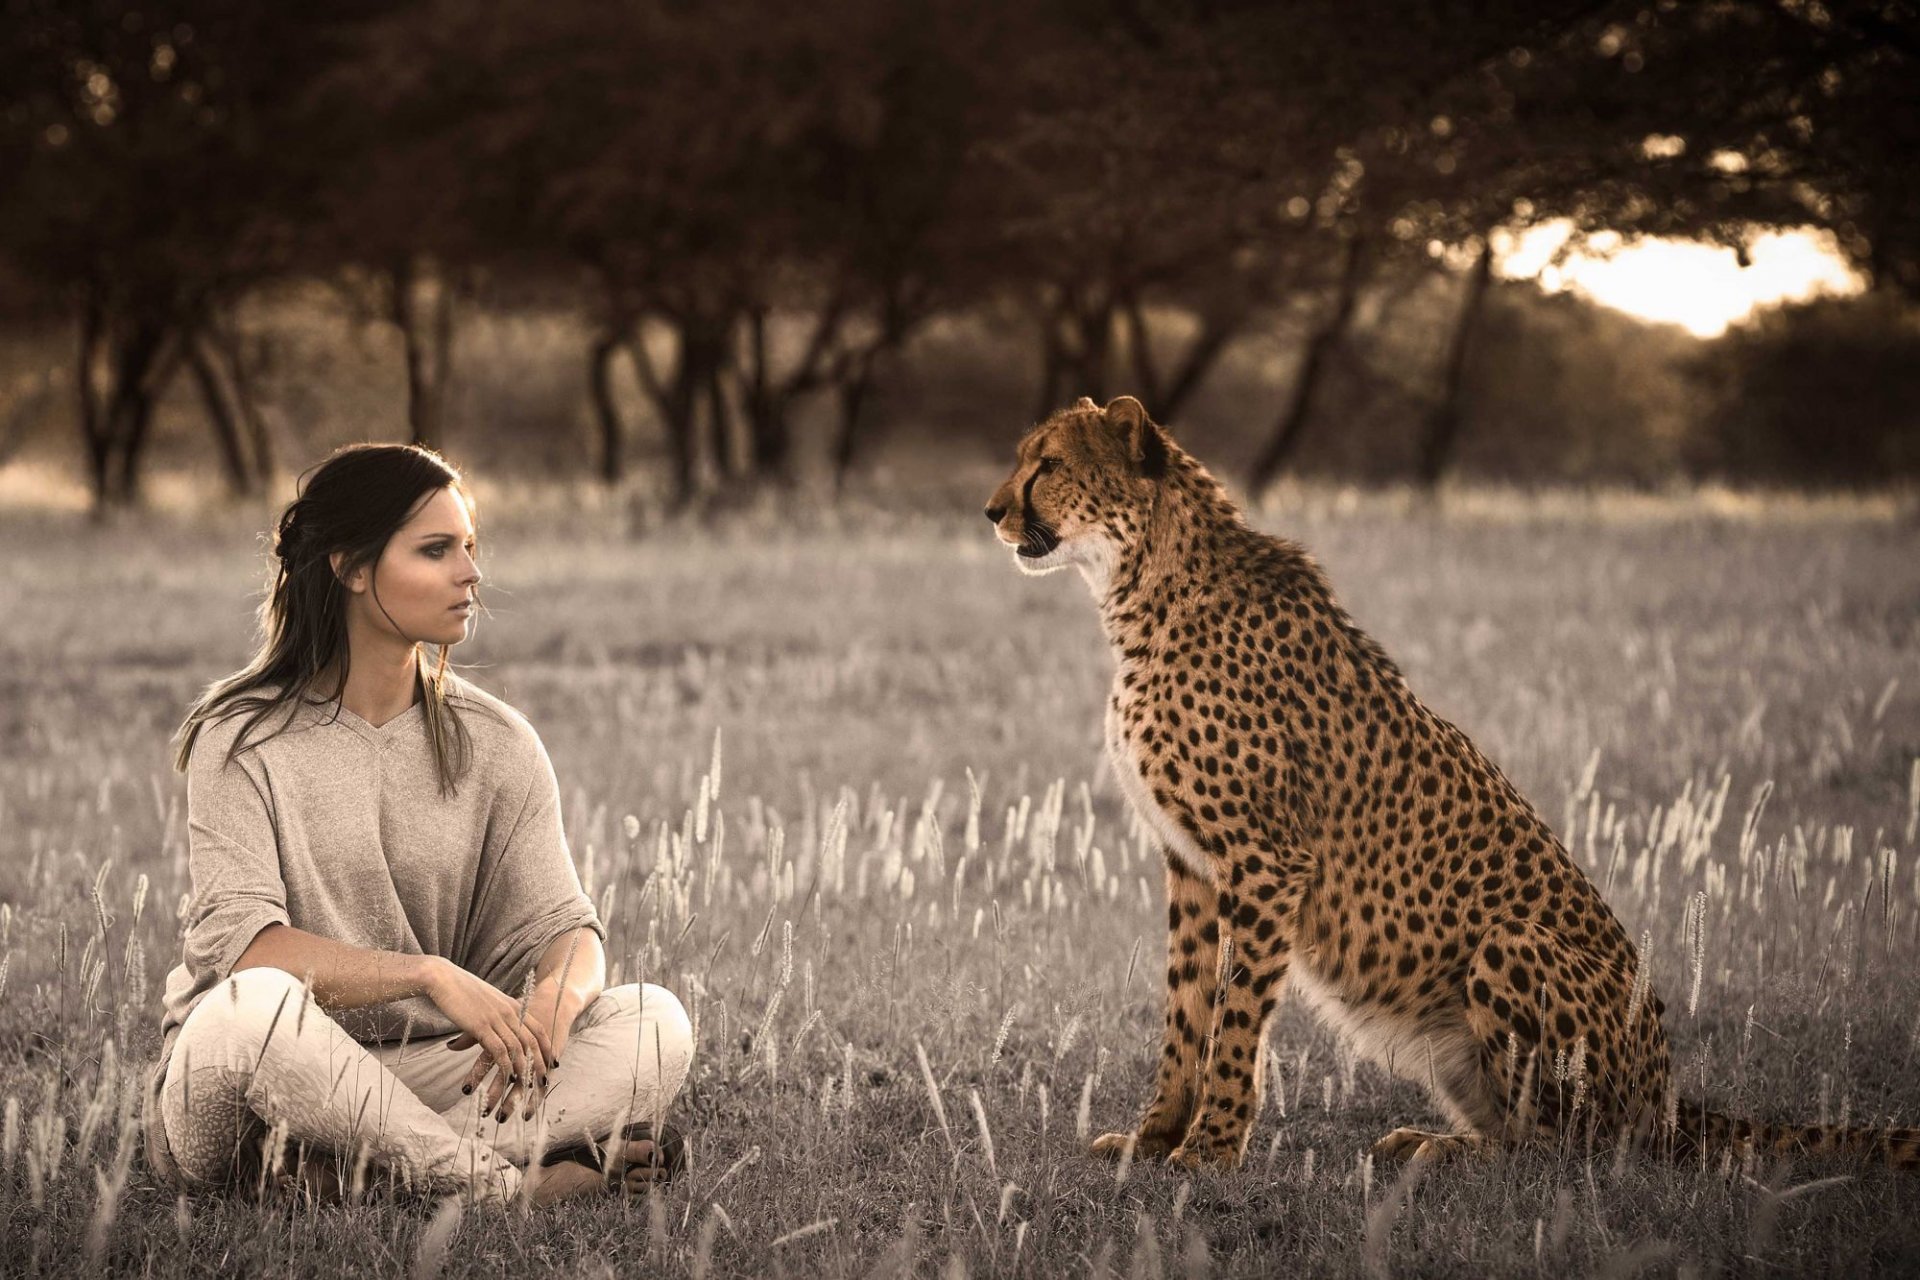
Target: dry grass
pixel 916 990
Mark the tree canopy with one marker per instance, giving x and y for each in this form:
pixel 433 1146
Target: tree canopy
pixel 1140 182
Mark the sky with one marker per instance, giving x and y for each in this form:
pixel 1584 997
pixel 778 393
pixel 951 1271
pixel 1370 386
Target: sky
pixel 1700 287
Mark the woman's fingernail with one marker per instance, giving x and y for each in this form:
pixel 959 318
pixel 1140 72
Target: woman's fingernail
pixel 466 1088
pixel 554 1065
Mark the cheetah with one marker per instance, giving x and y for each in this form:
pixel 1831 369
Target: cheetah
pixel 1325 833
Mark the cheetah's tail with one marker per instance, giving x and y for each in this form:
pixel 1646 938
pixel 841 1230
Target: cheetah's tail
pixel 1701 1133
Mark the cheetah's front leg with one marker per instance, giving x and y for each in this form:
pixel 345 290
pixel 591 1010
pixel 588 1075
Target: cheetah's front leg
pixel 1259 910
pixel 1193 957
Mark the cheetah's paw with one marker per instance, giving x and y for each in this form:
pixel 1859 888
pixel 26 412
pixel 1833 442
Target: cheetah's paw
pixel 1145 1146
pixel 1411 1146
pixel 1213 1159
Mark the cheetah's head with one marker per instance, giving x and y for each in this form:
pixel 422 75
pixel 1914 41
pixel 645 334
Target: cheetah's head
pixel 1081 487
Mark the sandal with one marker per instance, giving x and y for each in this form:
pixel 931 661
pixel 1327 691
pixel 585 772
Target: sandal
pixel 669 1149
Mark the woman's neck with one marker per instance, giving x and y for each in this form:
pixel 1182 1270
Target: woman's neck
pixel 382 677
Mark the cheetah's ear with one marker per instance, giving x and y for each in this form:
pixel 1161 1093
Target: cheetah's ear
pixel 1148 448
pixel 1085 402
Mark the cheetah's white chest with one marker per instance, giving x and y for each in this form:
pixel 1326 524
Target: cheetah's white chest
pixel 1126 758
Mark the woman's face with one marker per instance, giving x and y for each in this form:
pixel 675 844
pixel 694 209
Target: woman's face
pixel 422 589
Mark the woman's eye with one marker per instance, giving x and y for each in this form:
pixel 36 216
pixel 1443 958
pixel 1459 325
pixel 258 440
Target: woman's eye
pixel 437 552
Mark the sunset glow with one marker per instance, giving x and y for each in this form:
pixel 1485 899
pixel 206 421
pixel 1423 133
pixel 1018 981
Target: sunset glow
pixel 1700 287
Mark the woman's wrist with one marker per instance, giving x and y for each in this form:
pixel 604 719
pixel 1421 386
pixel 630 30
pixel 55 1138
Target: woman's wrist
pixel 427 977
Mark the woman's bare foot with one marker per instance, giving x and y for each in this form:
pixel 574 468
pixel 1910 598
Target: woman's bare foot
pixel 316 1177
pixel 631 1171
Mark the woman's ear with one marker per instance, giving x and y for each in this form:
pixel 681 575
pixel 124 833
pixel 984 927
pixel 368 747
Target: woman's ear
pixel 356 581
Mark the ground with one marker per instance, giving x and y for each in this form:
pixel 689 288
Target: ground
pixel 913 1004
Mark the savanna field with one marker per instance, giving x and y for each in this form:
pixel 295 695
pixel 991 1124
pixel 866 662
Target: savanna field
pixel 836 780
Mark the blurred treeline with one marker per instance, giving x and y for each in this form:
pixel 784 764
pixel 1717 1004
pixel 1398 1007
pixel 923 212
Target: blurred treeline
pixel 732 240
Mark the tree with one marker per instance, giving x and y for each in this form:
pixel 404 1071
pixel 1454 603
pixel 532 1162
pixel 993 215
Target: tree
pixel 1130 183
pixel 1284 440
pixel 157 178
pixel 423 198
pixel 1715 120
pixel 1711 121
pixel 1222 158
pixel 754 197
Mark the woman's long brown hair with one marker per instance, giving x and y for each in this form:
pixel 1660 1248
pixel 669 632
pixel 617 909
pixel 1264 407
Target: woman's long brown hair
pixel 353 503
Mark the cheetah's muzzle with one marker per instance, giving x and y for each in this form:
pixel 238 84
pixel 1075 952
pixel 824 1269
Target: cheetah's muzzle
pixel 1037 540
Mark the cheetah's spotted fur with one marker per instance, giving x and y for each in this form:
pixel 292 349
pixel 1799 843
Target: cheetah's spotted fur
pixel 1325 832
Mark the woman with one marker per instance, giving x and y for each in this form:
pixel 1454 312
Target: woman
pixel 388 958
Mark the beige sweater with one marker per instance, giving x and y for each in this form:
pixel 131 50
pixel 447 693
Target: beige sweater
pixel 339 828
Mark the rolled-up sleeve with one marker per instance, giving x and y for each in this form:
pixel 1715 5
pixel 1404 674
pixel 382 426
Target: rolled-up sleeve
pixel 233 855
pixel 530 892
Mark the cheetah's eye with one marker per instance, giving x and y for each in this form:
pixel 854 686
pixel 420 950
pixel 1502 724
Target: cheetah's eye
pixel 1049 464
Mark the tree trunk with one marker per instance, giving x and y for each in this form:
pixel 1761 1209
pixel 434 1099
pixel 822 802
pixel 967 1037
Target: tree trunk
pixel 769 398
pixel 221 417
pixel 1164 401
pixel 769 441
pixel 1284 441
pixel 678 416
pixel 606 345
pixel 852 394
pixel 141 377
pixel 682 443
pixel 137 358
pixel 902 306
pixel 1146 373
pixel 1444 423
pixel 91 413
pixel 428 342
pixel 1077 338
pixel 230 348
pixel 710 388
pixel 676 400
pixel 1216 335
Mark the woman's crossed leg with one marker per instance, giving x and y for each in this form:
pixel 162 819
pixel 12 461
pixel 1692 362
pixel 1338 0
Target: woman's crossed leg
pixel 257 1059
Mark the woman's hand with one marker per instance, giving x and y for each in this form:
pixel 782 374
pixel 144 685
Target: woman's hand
pixel 518 1046
pixel 550 1012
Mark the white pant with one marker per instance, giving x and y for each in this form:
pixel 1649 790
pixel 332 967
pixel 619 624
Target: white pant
pixel 249 1057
